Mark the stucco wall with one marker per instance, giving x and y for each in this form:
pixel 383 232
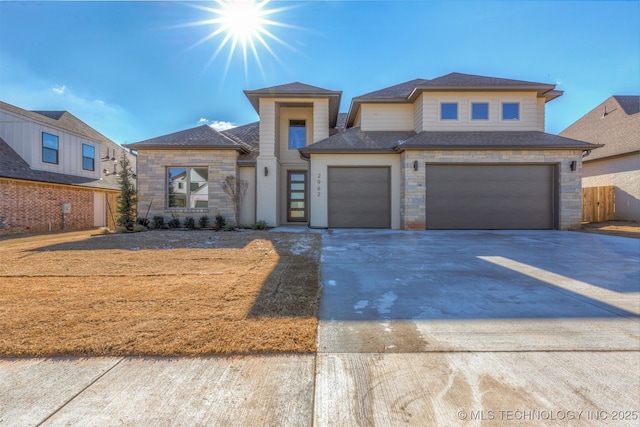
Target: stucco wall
pixel 413 193
pixel 152 181
pixel 623 172
pixel 318 196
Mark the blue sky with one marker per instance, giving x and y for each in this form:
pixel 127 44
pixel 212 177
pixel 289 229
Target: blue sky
pixel 135 70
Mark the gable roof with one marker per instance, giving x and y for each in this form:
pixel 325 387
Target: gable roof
pixel 354 140
pixel 249 136
pixel 297 90
pixel 407 92
pixel 14 166
pixel 615 123
pixel 63 120
pixel 201 137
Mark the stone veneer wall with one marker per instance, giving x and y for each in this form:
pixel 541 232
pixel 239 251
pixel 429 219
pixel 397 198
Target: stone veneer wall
pixel 413 191
pixel 152 181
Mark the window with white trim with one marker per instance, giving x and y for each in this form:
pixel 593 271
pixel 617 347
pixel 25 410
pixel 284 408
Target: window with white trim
pixel 49 148
pixel 188 188
pixel 449 111
pixel 479 111
pixel 88 157
pixel 510 111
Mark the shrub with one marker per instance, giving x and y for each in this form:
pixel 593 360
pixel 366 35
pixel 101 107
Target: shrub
pixel 139 227
pixel 204 221
pixel 230 228
pixel 260 225
pixel 158 221
pixel 174 222
pixel 190 223
pixel 143 221
pixel 220 222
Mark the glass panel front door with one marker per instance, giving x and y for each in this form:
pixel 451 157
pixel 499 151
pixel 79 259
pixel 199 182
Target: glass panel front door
pixel 297 196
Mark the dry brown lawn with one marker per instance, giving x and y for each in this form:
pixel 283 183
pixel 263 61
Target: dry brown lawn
pixel 613 228
pixel 159 293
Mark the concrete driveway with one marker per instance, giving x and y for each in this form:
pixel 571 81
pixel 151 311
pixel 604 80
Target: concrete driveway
pixel 417 328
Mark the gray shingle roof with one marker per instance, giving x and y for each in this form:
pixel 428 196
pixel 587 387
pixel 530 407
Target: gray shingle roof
pixel 408 91
pixel 297 90
pixel 615 123
pixel 354 140
pixel 492 140
pixel 249 136
pixel 13 166
pixel 199 137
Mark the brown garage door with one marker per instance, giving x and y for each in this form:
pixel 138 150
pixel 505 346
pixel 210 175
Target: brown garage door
pixel 359 197
pixel 464 196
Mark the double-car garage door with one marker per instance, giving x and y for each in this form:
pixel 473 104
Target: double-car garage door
pixel 471 196
pixel 458 196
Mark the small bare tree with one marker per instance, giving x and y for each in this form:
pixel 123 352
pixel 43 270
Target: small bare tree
pixel 236 189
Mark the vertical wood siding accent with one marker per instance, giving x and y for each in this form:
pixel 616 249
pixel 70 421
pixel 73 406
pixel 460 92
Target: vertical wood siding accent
pixel 320 120
pixel 387 117
pixel 292 113
pixel 418 114
pixel 25 137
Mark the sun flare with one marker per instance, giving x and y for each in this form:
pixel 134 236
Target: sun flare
pixel 242 24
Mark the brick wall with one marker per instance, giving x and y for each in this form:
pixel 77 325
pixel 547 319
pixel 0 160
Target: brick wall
pixel 413 193
pixel 152 181
pixel 34 207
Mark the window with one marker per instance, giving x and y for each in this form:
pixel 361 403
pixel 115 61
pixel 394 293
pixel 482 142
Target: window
pixel 49 148
pixel 510 111
pixel 449 111
pixel 88 157
pixel 188 188
pixel 297 134
pixel 479 111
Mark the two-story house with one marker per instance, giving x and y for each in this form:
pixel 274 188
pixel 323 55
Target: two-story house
pixel 456 152
pixel 56 172
pixel 615 124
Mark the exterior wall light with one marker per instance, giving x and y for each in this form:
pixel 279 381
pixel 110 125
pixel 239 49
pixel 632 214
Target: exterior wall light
pixel 266 171
pixel 415 165
pixel 574 166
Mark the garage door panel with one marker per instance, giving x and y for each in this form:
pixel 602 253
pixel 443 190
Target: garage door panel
pixel 490 196
pixel 359 197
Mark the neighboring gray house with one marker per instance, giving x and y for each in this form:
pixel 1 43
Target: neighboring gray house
pixel 51 158
pixel 456 152
pixel 615 124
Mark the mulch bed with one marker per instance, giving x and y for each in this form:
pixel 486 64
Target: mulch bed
pixel 159 293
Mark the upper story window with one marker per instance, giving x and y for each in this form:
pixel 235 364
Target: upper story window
pixel 88 157
pixel 479 111
pixel 49 148
pixel 510 111
pixel 449 111
pixel 188 188
pixel 297 134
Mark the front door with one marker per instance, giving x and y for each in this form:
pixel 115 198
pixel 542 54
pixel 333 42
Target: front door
pixel 297 196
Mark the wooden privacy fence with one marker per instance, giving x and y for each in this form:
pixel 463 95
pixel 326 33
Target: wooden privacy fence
pixel 597 203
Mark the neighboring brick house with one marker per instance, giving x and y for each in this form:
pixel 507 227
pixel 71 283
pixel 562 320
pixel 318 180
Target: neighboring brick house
pixel 456 152
pixel 49 159
pixel 615 124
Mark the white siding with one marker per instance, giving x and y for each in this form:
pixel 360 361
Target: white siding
pixel 291 113
pixel 25 137
pixel 318 200
pixel 248 207
pixel 541 110
pixel 267 128
pixel 389 117
pixel 529 111
pixel 320 120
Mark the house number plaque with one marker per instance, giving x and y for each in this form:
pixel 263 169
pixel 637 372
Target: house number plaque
pixel 319 181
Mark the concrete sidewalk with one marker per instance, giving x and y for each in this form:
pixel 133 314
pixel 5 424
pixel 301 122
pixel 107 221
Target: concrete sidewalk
pixel 430 328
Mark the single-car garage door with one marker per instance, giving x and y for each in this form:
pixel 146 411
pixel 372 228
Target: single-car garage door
pixel 359 197
pixel 465 196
